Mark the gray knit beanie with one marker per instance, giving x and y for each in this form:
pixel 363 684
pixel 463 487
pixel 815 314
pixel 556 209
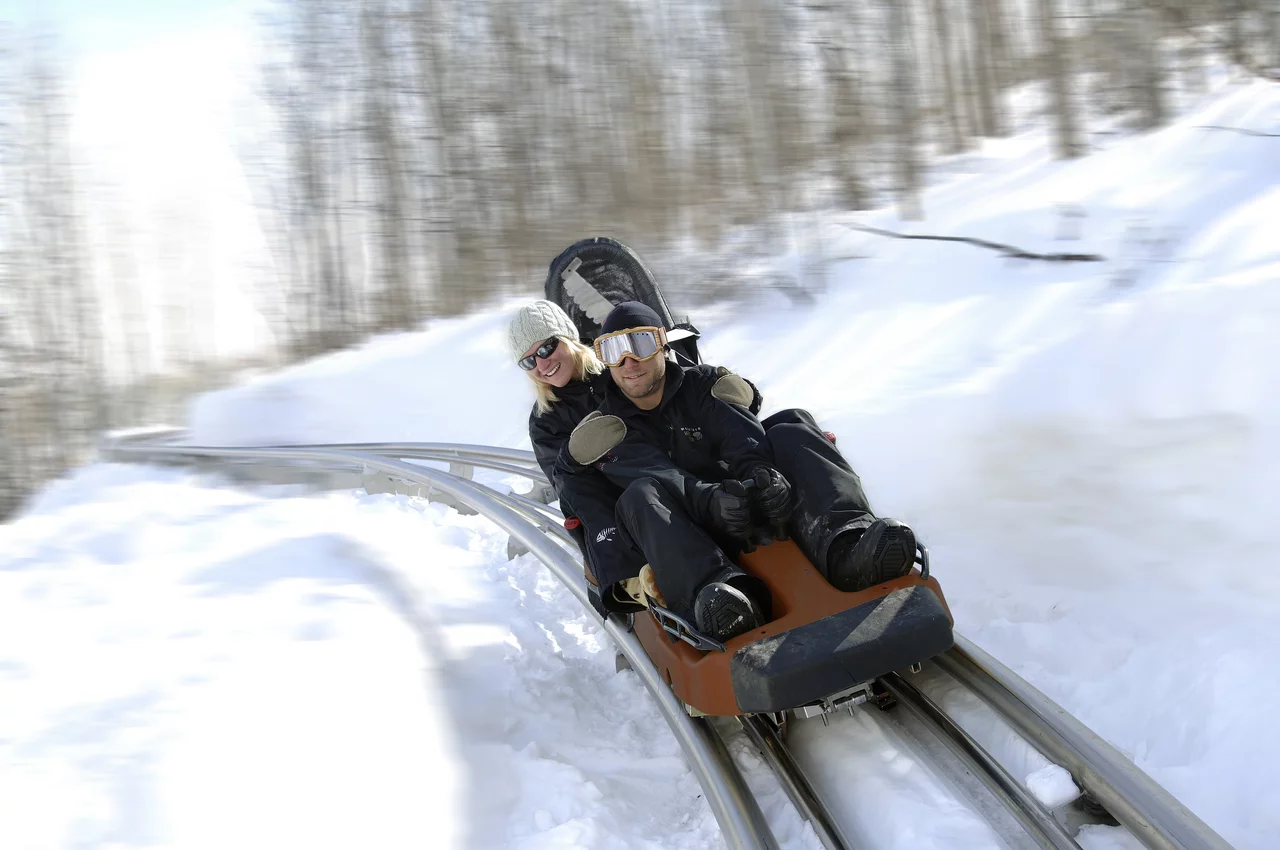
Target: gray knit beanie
pixel 536 322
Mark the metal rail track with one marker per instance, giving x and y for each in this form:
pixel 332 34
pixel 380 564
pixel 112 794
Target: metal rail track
pixel 1149 812
pixel 1028 811
pixel 1152 814
pixel 799 790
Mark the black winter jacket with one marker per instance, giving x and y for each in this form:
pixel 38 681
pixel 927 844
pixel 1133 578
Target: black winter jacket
pixel 588 497
pixel 549 431
pixel 690 442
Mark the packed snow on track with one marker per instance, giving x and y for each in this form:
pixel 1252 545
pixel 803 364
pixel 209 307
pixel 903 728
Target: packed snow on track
pixel 1088 450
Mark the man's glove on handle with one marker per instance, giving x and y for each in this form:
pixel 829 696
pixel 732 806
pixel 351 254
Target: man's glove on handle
pixel 773 495
pixel 730 510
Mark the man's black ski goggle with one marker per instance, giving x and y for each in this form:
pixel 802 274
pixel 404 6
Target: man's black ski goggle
pixel 544 351
pixel 636 343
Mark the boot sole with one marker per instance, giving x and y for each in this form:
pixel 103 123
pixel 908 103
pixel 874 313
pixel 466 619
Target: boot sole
pixel 728 614
pixel 895 554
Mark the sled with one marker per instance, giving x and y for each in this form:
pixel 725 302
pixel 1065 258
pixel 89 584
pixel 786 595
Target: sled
pixel 822 648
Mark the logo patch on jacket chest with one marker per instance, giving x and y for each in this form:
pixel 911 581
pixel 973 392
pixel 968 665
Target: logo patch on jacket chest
pixel 692 434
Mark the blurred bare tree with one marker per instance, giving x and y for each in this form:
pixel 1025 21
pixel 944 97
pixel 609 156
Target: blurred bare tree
pixel 907 154
pixel 983 42
pixel 51 390
pixel 422 157
pixel 435 153
pixel 1066 123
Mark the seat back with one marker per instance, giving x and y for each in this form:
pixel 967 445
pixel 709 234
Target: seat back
pixel 593 275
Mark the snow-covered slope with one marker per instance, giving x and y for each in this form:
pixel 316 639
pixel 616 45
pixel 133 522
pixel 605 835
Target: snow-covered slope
pixel 1087 449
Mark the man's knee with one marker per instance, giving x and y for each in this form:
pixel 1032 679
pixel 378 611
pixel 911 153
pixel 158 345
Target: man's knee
pixel 640 492
pixel 789 438
pixel 641 497
pixel 802 451
pixel 798 430
pixel 790 416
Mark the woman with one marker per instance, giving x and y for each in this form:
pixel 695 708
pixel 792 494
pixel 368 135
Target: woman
pixel 569 382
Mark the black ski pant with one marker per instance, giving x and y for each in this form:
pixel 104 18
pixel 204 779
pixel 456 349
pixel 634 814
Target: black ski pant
pixel 592 499
pixel 682 554
pixel 829 496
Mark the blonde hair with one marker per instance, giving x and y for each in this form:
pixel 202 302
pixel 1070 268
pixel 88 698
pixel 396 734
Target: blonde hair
pixel 585 363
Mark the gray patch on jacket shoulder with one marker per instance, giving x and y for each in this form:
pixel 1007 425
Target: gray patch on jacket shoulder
pixel 733 389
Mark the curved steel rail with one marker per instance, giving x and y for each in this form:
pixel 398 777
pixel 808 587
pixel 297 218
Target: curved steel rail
pixel 1035 819
pixel 461 451
pixel 741 821
pixel 516 461
pixel 794 782
pixel 1152 814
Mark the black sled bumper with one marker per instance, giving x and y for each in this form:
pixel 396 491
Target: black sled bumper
pixel 814 661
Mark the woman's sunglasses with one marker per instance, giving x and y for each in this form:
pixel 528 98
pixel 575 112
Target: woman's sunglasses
pixel 544 351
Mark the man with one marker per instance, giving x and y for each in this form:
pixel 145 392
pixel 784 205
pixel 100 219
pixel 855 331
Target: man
pixel 680 448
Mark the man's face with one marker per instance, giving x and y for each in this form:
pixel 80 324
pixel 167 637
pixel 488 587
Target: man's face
pixel 640 379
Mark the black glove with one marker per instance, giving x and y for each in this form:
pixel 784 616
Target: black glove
pixel 730 510
pixel 772 495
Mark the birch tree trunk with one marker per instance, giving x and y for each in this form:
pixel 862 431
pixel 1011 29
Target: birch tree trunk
pixel 1191 58
pixel 430 28
pixel 1146 29
pixel 983 69
pixel 1234 11
pixel 395 306
pixel 51 376
pixel 1272 12
pixel 907 162
pixel 1067 135
pixel 750 22
pixel 965 63
pixel 950 87
pixel 845 132
pixel 1001 49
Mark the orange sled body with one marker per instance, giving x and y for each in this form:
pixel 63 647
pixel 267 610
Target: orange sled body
pixel 820 642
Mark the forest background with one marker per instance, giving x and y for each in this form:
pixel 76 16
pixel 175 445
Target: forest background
pixel 409 159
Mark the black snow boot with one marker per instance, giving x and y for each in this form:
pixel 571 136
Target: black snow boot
pixel 885 550
pixel 724 607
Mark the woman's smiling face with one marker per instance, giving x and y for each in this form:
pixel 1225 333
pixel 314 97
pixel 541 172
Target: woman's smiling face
pixel 556 369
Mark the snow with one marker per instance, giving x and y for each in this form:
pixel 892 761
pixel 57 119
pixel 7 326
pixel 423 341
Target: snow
pixel 1087 449
pixel 191 664
pixel 1052 785
pixel 885 792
